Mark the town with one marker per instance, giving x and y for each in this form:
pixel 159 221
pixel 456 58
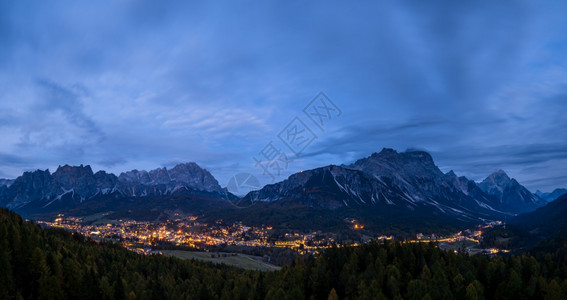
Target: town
pixel 187 232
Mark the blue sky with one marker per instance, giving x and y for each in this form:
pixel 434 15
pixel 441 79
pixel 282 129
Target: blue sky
pixel 122 85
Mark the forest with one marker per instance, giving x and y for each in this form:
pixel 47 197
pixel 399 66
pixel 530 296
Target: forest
pixel 38 263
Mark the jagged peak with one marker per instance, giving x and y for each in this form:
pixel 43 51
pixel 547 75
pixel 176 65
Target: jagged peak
pixel 451 174
pixel 36 172
pixel 134 171
pixel 389 154
pixel 385 151
pixel 499 172
pixel 68 168
pixel 6 182
pixel 498 177
pixel 422 155
pixel 190 165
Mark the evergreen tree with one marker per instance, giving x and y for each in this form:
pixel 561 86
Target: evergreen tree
pixel 333 295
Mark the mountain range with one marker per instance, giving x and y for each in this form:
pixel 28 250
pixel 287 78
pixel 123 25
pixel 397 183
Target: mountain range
pixel 551 196
pixel 71 186
pixel 388 187
pixel 410 180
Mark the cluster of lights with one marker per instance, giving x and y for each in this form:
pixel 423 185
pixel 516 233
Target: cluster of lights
pixel 186 231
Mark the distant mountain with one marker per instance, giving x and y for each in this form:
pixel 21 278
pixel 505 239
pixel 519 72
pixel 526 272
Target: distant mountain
pixel 69 186
pixel 6 182
pixel 407 182
pixel 512 196
pixel 389 191
pixel 164 181
pixel 551 196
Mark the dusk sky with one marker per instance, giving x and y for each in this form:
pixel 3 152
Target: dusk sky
pixel 121 85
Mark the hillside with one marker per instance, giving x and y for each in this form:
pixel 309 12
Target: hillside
pixel 55 264
pixel 545 221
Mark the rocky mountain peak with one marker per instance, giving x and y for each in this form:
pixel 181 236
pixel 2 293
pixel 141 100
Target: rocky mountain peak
pixel 384 153
pixel 509 192
pixel 159 176
pixel 6 182
pixel 70 176
pixel 451 174
pixel 135 176
pixel 498 178
pixel 495 183
pixel 75 184
pixel 423 156
pixel 185 174
pixel 36 178
pixel 193 175
pixel 389 162
pixel 74 169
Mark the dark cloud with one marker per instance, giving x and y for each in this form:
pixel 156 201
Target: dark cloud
pixel 56 97
pixel 112 161
pixel 12 160
pixel 141 84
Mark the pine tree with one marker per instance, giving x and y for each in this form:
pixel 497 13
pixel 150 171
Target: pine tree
pixel 333 295
pixel 553 291
pixel 472 293
pixel 106 289
pixel 6 280
pixel 416 289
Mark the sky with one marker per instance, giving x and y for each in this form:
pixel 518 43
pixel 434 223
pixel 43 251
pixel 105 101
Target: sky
pixel 122 85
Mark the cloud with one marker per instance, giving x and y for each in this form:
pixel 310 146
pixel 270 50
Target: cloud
pixel 68 102
pixel 217 121
pixel 56 119
pixel 479 84
pixel 12 160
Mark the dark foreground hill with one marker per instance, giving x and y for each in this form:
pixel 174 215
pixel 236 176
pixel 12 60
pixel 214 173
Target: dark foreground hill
pixel 546 221
pixel 55 264
pixel 544 229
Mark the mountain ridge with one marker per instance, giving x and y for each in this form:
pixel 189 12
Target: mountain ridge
pixel 385 189
pixel 511 194
pixel 75 184
pixel 407 179
pixel 555 194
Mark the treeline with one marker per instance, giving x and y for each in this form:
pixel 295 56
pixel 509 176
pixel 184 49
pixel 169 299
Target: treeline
pixel 56 264
pixel 394 270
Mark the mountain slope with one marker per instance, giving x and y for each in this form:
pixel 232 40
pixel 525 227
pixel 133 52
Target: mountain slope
pixel 512 196
pixel 6 182
pixel 70 186
pixel 545 221
pixel 38 263
pixel 551 196
pixel 409 182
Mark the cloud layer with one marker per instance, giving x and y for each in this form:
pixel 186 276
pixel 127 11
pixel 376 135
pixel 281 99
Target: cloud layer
pixel 137 84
